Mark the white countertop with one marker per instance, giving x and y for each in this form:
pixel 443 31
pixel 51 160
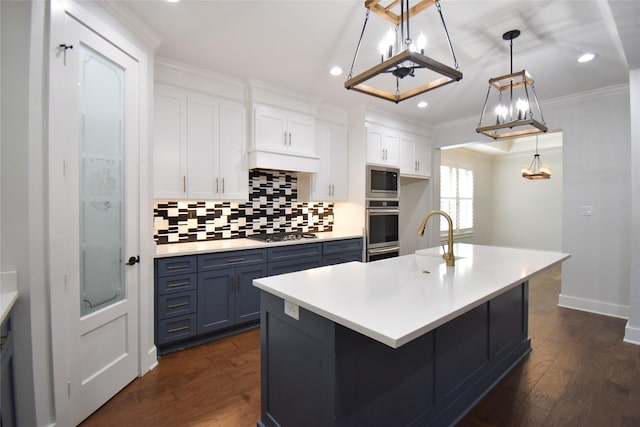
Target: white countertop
pixel 194 248
pixel 8 293
pixel 399 299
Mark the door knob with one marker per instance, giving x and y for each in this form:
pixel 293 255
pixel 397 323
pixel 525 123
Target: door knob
pixel 133 260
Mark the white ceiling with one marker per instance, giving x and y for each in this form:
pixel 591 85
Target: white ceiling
pixel 294 43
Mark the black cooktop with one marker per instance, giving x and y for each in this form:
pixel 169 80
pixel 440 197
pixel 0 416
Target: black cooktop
pixel 281 237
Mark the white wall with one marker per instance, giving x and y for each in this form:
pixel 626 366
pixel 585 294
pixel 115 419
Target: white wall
pixel 483 206
pixel 596 169
pixel 24 244
pixel 632 333
pixel 415 203
pixel 23 196
pixel 527 214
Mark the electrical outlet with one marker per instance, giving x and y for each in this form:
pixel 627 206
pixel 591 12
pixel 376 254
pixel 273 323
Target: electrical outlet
pixel 586 210
pixel 291 309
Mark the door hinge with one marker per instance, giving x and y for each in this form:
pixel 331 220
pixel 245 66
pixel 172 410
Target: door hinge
pixel 64 48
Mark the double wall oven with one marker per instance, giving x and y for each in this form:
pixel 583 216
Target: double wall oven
pixel 383 212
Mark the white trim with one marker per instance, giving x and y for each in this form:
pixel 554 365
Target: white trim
pixel 196 79
pixel 631 335
pixel 593 306
pixel 133 22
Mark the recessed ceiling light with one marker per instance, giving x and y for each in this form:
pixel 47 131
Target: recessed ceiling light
pixel 172 1
pixel 422 104
pixel 335 71
pixel 586 57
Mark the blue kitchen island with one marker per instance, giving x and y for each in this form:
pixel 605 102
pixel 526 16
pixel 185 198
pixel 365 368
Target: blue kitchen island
pixel 405 341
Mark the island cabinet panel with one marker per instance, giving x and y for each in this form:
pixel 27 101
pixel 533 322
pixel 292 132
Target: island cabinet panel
pixel 318 373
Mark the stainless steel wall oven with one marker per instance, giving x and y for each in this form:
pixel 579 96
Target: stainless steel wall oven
pixel 383 240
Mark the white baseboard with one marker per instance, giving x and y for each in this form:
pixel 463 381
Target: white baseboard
pixel 631 335
pixel 150 362
pixel 593 306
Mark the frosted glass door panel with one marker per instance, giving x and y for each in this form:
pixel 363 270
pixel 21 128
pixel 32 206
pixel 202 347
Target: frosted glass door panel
pixel 101 182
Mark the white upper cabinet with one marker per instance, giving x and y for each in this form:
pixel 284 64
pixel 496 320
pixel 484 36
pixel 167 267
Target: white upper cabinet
pixel 282 130
pixel 283 139
pixel 199 147
pixel 330 183
pixel 233 152
pixel 415 157
pixel 170 144
pixel 382 146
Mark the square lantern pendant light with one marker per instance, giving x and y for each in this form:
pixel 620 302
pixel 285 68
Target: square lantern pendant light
pixel 410 71
pixel 515 113
pixel 536 170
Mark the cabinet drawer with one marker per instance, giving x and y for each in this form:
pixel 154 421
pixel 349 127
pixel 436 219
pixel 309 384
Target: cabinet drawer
pixel 341 246
pixel 288 266
pixel 172 284
pixel 231 259
pixel 175 265
pixel 294 251
pixel 339 258
pixel 177 304
pixel 176 328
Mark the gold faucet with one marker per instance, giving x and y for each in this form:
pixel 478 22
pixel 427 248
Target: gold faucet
pixel 448 256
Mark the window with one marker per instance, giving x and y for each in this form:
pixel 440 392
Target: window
pixel 456 199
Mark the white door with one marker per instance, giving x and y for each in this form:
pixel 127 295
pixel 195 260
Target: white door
pixel 93 156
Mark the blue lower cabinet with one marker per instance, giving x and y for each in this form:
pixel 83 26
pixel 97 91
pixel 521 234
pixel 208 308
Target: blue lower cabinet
pixel 7 385
pixel 291 265
pixel 227 297
pixel 215 300
pixel 203 297
pixel 340 251
pixel 176 329
pixel 247 301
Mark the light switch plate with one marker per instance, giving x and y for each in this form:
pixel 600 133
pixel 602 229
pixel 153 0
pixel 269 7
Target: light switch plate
pixel 586 210
pixel 291 309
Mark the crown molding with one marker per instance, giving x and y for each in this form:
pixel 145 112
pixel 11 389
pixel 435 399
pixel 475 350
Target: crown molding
pixel 131 21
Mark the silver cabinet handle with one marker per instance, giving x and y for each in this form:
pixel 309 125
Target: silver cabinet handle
pixel 177 305
pixel 217 185
pixel 222 185
pixel 289 139
pixel 285 138
pixel 184 183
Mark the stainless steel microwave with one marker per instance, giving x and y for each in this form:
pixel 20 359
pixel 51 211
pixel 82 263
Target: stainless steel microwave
pixel 382 182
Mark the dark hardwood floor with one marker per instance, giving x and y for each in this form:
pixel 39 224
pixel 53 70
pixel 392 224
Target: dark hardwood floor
pixel 579 373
